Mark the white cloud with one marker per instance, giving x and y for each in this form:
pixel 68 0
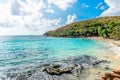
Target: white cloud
pixel 25 18
pixel 62 4
pixel 100 6
pixel 33 27
pixel 114 8
pixel 50 11
pixel 42 25
pixel 85 5
pixel 71 18
pixel 4 11
pixel 32 7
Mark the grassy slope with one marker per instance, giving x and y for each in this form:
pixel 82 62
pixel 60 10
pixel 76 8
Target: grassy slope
pixel 107 27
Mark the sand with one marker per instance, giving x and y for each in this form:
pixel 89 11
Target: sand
pixel 113 57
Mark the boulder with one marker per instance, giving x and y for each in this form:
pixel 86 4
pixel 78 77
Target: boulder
pixel 57 71
pixel 115 75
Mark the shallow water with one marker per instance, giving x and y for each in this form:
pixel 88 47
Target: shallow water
pixel 24 51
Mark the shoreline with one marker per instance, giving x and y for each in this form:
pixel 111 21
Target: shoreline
pixel 114 42
pixel 113 57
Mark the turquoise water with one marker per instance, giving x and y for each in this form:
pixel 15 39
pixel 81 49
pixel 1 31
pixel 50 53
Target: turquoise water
pixel 21 51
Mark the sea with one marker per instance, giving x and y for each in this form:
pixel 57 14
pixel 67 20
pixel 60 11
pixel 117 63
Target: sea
pixel 18 53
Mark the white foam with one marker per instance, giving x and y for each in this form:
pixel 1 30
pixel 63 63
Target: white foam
pixel 116 49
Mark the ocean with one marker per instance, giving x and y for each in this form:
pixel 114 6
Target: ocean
pixel 19 53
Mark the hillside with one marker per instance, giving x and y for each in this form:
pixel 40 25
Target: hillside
pixel 107 27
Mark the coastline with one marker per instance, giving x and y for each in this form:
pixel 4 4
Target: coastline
pixel 113 57
pixel 114 42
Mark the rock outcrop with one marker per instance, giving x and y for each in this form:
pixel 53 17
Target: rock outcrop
pixel 115 75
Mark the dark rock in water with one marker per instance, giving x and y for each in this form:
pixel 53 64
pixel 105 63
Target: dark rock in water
pixel 77 69
pixel 58 71
pixel 74 69
pixel 99 61
pixel 107 67
pixel 55 65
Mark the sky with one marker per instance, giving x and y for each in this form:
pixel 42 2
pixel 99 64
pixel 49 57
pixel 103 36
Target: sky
pixel 35 17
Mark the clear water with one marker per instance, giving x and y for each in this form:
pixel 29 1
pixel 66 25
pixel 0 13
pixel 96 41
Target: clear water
pixel 21 51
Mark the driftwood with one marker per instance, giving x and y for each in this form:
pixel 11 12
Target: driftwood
pixel 115 75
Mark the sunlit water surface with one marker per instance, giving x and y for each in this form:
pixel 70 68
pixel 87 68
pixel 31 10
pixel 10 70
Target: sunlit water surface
pixel 24 51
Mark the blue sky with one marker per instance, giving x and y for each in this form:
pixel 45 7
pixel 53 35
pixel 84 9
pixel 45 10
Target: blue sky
pixel 3 1
pixel 26 17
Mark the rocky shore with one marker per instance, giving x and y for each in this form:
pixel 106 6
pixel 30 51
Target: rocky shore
pixel 74 68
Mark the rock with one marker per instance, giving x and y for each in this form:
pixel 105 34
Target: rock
pixel 56 65
pixel 117 72
pixel 112 76
pixel 99 61
pixel 67 69
pixel 77 70
pixel 74 69
pixel 107 67
pixel 58 71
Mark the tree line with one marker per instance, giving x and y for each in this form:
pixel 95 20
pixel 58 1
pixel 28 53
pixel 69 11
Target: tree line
pixel 106 27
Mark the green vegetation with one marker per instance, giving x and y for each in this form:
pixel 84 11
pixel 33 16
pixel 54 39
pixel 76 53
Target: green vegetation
pixel 107 27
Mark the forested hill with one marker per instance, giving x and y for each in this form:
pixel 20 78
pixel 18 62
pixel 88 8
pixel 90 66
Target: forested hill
pixel 107 27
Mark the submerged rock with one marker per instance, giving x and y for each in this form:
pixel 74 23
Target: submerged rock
pixel 99 61
pixel 58 71
pixel 77 69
